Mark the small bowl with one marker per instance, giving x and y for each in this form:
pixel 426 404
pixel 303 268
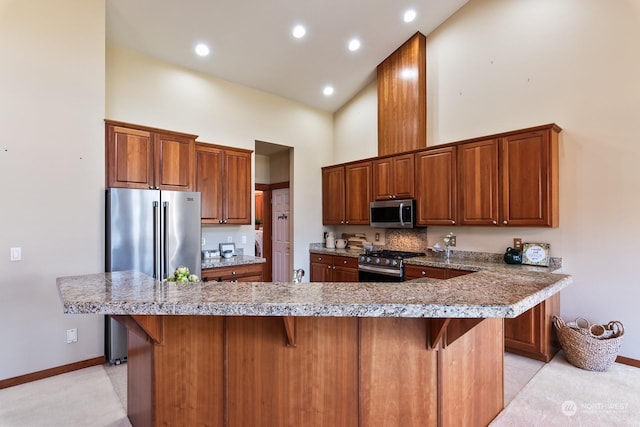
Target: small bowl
pixel 227 254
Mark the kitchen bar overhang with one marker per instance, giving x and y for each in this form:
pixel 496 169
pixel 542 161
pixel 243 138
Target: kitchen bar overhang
pixel 427 352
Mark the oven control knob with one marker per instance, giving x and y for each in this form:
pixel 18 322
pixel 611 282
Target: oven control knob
pixel 377 260
pixel 362 258
pixel 395 263
pixel 387 261
pixel 368 259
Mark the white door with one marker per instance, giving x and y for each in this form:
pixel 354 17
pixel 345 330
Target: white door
pixel 282 270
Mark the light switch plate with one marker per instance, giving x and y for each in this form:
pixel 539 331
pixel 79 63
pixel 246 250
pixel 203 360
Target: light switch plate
pixel 16 254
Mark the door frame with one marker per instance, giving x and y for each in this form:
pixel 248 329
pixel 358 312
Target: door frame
pixel 267 227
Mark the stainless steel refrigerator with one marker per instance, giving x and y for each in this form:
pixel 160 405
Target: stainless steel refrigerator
pixel 151 231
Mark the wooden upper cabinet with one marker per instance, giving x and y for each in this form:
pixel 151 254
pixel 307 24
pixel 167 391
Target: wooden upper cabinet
pixel 436 187
pixel 393 177
pixel 346 193
pixel 209 182
pixel 237 184
pixel 129 158
pixel 529 169
pixel 510 180
pixel 333 196
pixel 142 157
pixel 402 95
pixel 174 162
pixel 223 177
pixel 478 183
pixel 357 189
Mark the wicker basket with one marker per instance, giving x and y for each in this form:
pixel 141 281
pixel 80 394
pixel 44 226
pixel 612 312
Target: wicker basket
pixel 590 347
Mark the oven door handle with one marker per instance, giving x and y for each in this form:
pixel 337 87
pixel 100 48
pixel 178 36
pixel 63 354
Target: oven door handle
pixel 381 270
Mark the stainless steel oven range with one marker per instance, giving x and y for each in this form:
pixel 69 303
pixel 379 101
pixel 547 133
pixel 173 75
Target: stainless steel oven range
pixel 383 266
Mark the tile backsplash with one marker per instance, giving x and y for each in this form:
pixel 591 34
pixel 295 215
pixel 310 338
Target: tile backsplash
pixel 413 240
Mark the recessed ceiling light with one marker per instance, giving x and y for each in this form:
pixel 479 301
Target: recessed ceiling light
pixel 327 91
pixel 202 49
pixel 409 15
pixel 354 44
pixel 299 31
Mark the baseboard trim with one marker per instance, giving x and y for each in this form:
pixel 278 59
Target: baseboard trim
pixel 628 361
pixel 34 376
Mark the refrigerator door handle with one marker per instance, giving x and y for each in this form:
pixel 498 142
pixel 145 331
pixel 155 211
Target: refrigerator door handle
pixel 165 243
pixel 155 240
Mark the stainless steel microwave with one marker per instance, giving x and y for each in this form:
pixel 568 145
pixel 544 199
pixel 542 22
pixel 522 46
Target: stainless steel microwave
pixel 393 214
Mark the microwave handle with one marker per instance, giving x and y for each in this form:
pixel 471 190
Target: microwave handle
pixel 400 213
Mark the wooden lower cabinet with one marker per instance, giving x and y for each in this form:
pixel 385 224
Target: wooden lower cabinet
pixel 234 371
pixel 531 334
pixel 238 273
pixel 333 268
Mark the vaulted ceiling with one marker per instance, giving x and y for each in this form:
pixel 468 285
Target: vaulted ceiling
pixel 251 41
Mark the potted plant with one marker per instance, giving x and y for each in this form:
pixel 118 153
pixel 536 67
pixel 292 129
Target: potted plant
pixel 258 223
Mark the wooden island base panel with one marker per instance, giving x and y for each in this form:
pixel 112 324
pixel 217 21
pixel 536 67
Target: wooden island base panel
pixel 239 371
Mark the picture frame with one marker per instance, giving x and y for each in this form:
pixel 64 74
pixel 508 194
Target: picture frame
pixel 536 254
pixel 227 247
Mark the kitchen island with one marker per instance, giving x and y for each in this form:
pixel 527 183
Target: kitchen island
pixel 427 352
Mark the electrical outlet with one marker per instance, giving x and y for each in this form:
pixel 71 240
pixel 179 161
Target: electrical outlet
pixel 517 243
pixel 452 241
pixel 204 242
pixel 244 240
pixel 229 239
pixel 72 335
pixel 377 237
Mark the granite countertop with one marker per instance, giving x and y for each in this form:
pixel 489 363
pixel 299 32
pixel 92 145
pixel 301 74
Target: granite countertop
pixel 482 294
pixel 460 260
pixel 217 262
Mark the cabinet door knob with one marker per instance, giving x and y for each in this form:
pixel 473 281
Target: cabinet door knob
pixel 453 222
pixel 505 222
pixel 157 188
pixel 495 222
pixel 346 222
pixel 424 273
pixel 233 272
pixel 151 187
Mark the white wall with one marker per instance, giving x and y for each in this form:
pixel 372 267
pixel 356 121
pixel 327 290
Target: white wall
pixel 499 65
pixel 356 127
pixel 262 169
pixel 146 91
pixel 51 176
pixel 279 166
